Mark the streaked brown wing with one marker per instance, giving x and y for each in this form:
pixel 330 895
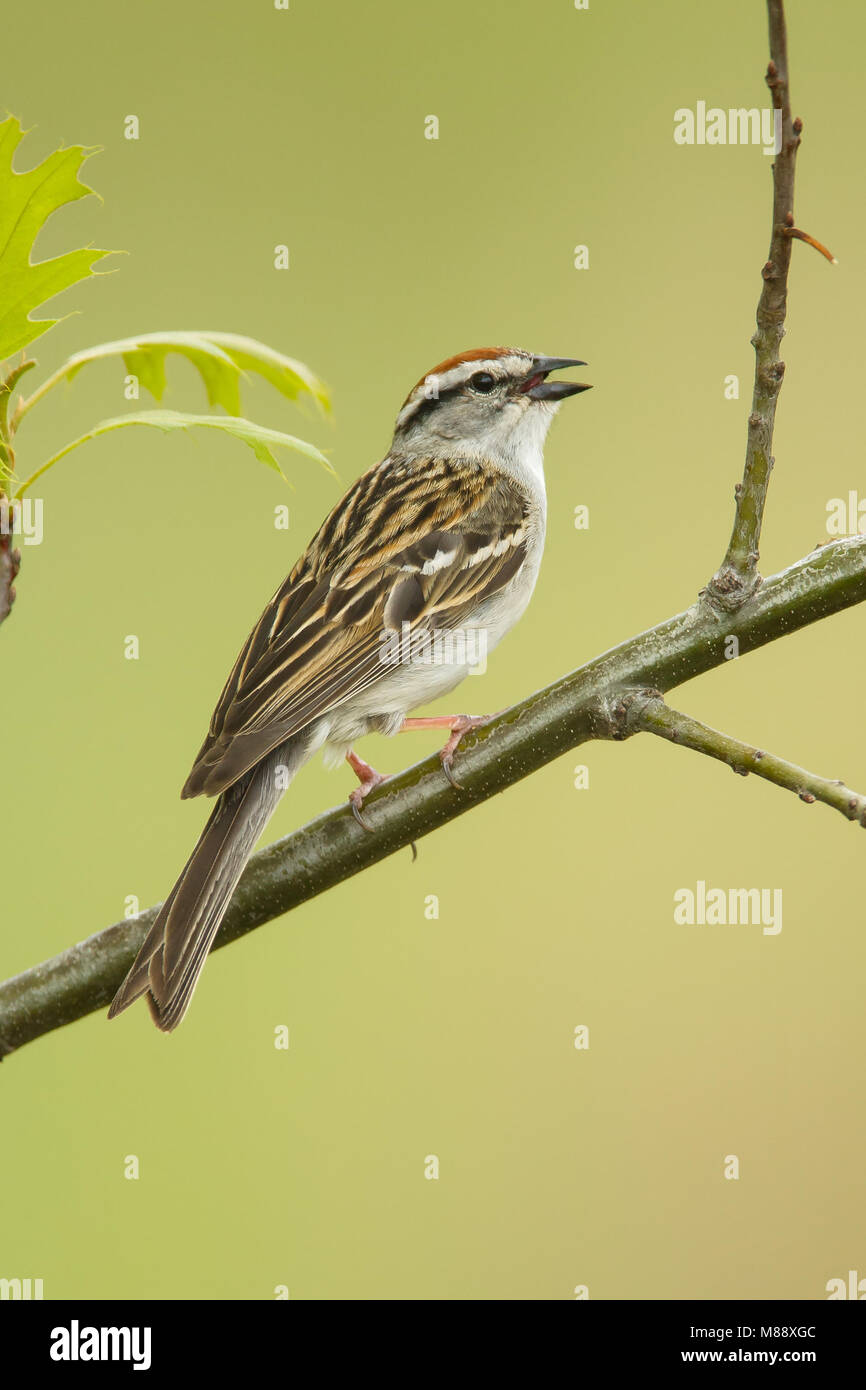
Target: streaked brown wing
pixel 413 541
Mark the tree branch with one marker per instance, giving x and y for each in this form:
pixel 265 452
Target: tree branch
pixel 10 559
pixel 738 577
pixel 10 562
pixel 332 848
pixel 647 712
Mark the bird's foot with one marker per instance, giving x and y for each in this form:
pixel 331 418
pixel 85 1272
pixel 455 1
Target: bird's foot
pixel 368 779
pixel 459 724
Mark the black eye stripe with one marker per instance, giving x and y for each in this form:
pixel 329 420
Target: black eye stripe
pixel 428 404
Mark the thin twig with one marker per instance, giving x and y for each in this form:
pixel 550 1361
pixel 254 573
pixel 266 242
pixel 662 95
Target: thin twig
pixel 649 714
pixel 738 578
pixel 333 848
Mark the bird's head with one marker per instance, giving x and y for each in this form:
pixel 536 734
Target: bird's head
pixel 493 402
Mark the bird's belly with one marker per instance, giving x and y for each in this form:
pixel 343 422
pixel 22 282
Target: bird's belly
pixel 383 707
pixel 434 670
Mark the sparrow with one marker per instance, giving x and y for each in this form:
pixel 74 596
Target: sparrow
pixel 443 536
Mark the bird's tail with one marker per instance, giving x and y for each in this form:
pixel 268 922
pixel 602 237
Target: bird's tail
pixel 175 949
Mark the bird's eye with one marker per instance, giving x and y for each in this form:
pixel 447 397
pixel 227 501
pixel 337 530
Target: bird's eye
pixel 483 382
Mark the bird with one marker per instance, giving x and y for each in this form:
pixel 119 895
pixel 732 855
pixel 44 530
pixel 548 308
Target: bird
pixel 443 536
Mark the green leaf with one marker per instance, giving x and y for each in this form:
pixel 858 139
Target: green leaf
pixel 261 440
pixel 221 359
pixel 27 200
pixel 291 378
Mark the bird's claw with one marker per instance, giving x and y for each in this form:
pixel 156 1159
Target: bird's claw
pixel 356 802
pixel 358 795
pixel 461 725
pixel 447 760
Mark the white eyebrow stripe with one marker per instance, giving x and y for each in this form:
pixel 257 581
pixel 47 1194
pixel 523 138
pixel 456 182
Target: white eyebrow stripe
pixel 433 386
pixel 497 366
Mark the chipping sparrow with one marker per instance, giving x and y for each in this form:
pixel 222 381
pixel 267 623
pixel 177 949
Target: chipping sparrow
pixel 445 534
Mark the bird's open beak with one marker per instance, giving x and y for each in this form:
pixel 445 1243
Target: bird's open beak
pixel 540 389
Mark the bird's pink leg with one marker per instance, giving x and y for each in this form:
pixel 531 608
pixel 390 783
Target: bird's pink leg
pixel 369 779
pixel 459 724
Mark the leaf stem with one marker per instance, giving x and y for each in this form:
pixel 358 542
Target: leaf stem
pixel 7 427
pixel 25 405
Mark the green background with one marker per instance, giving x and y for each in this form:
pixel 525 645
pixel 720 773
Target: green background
pixel 451 1037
